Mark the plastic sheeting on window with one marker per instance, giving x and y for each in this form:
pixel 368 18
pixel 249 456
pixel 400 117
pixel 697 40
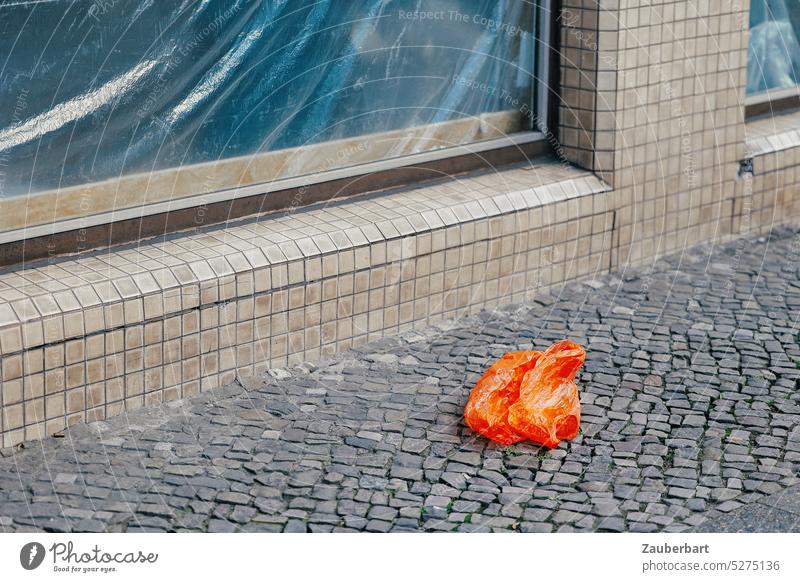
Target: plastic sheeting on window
pixel 99 89
pixel 773 60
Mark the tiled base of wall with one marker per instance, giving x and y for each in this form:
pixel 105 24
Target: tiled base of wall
pixel 650 224
pixel 686 221
pixel 93 336
pixel 770 195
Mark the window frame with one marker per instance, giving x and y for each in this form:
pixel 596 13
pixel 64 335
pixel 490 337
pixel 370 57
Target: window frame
pixel 772 101
pixel 777 100
pixel 513 147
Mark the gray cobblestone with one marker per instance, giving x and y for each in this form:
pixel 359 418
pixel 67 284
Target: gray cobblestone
pixel 691 415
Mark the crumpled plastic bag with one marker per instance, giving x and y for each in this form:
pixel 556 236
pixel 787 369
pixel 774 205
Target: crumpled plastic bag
pixel 529 395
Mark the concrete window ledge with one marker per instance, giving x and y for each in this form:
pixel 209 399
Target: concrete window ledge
pixel 89 336
pixel 772 133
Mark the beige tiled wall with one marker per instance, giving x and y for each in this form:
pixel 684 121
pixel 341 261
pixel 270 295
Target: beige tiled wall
pixel 657 95
pixel 588 66
pixel 680 123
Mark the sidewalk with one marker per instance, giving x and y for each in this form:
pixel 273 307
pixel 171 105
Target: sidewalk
pixel 691 421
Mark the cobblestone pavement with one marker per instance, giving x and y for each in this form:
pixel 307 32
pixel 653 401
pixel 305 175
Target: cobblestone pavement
pixel 691 420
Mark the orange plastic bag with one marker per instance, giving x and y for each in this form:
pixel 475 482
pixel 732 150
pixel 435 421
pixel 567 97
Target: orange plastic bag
pixel 495 392
pixel 529 395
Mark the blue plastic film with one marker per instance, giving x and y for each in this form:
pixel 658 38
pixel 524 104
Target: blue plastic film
pixel 93 90
pixel 773 59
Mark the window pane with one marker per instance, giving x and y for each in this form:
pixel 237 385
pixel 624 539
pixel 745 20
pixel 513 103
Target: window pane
pixel 93 90
pixel 774 55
